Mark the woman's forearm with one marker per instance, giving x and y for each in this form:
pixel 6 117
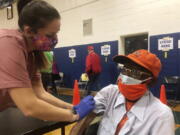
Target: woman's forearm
pixel 46 111
pixel 42 94
pixel 31 105
pixel 55 101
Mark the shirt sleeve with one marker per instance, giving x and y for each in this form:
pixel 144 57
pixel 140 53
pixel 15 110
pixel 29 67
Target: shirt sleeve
pixel 88 64
pixel 101 99
pixel 13 67
pixel 164 124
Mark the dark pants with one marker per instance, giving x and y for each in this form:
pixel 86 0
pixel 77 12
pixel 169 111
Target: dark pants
pixel 55 77
pixel 46 80
pixel 92 83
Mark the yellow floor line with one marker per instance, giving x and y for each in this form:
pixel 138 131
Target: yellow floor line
pixel 55 132
pixel 58 131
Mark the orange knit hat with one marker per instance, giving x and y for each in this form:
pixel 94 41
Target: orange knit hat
pixel 143 58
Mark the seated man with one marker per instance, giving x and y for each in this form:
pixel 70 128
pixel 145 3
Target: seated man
pixel 129 108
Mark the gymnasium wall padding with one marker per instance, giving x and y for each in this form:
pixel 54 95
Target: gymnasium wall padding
pixel 74 70
pixel 171 64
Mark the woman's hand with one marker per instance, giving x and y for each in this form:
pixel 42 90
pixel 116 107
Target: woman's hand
pixel 85 107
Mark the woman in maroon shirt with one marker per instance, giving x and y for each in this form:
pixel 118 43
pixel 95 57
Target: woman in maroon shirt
pixel 21 59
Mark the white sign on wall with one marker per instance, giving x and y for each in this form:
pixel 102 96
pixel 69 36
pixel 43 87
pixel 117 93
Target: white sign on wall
pixel 165 44
pixel 178 43
pixel 106 50
pixel 72 54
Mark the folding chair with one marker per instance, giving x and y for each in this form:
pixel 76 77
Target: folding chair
pixel 83 81
pixel 60 83
pixel 172 85
pixel 61 74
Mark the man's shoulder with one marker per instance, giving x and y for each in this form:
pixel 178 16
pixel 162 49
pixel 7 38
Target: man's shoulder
pixel 110 89
pixel 158 107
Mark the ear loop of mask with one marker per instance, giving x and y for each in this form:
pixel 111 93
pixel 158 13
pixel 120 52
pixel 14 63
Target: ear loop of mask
pixel 148 79
pixel 131 79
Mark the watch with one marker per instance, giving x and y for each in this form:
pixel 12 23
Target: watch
pixel 74 111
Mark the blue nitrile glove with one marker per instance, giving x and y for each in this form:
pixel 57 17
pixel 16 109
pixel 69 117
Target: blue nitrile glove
pixel 86 105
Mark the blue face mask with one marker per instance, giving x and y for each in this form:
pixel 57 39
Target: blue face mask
pixel 131 81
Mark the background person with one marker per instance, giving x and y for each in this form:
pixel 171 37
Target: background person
pixel 46 74
pixel 93 68
pixel 55 75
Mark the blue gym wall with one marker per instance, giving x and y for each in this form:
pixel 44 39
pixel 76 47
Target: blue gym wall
pixel 170 65
pixel 73 71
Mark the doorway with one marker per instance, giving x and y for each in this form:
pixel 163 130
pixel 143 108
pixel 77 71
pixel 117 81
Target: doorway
pixel 135 42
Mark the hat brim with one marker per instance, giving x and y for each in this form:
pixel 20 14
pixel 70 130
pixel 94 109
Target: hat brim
pixel 125 59
pixel 121 59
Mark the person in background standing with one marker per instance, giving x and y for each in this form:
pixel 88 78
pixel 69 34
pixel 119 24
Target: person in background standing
pixel 93 68
pixel 46 73
pixel 55 74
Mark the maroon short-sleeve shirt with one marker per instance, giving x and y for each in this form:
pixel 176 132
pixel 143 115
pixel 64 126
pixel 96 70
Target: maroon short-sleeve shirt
pixel 13 65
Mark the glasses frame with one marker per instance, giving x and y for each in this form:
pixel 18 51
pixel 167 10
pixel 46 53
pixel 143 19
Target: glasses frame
pixel 135 73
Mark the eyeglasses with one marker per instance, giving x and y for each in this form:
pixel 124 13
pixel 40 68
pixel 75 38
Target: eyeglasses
pixel 135 73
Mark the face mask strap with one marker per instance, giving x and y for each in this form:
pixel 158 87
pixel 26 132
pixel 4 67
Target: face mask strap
pixel 137 80
pixel 148 79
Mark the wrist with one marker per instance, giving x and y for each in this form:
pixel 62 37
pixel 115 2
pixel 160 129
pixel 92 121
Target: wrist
pixel 74 110
pixel 76 117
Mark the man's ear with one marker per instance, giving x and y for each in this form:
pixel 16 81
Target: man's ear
pixel 28 31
